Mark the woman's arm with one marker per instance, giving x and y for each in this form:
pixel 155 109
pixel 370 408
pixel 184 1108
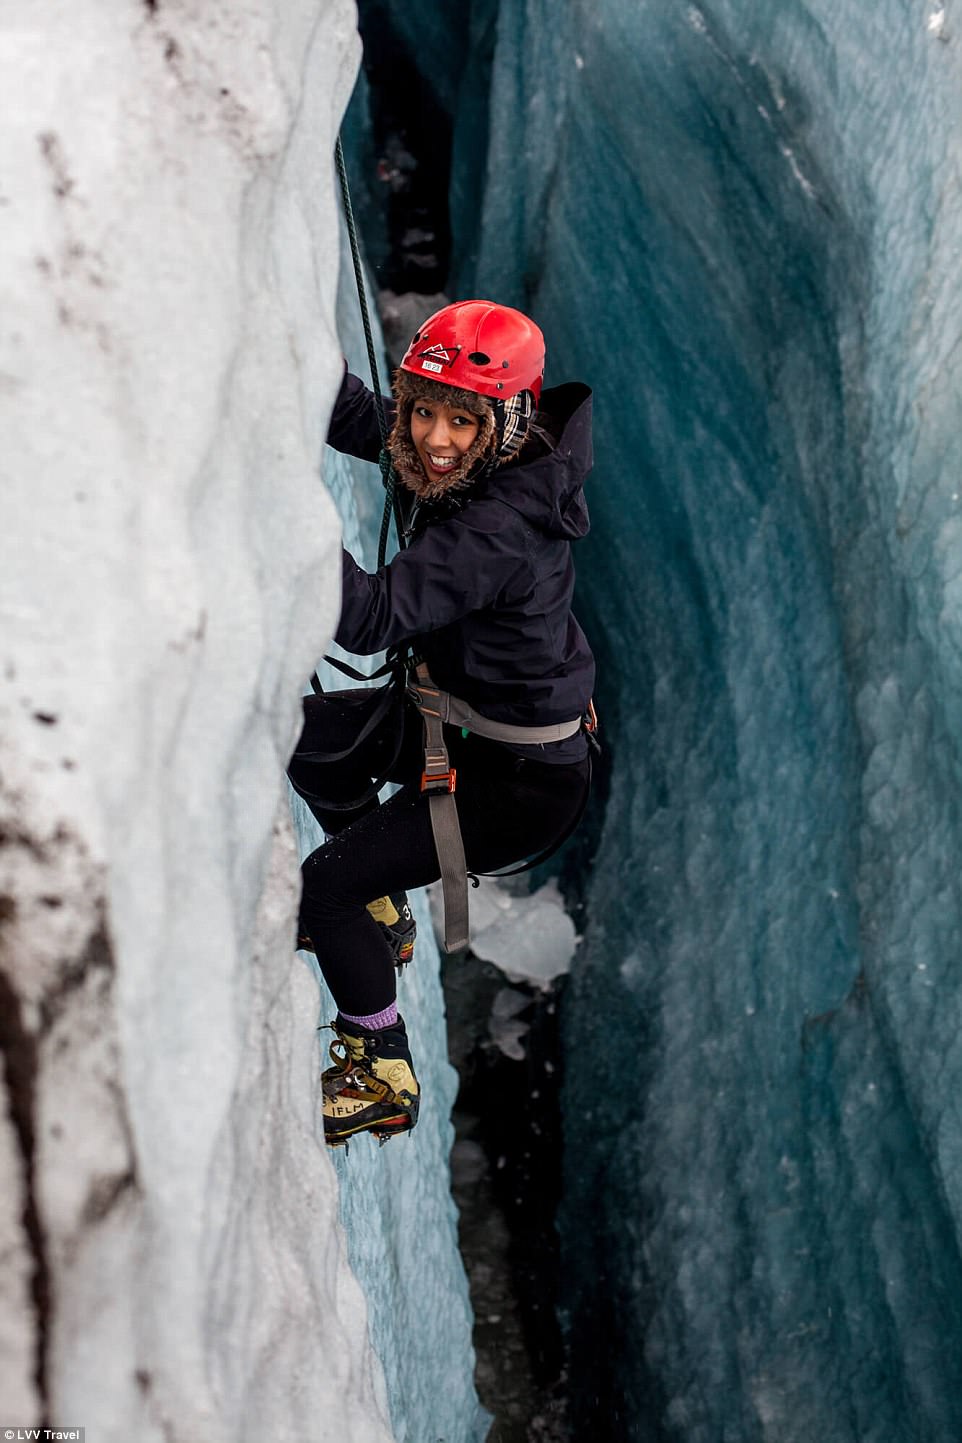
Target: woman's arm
pixel 447 572
pixel 354 427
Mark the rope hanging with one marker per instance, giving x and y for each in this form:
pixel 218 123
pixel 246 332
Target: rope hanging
pixel 391 502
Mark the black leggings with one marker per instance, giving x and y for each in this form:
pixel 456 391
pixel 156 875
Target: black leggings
pixel 509 808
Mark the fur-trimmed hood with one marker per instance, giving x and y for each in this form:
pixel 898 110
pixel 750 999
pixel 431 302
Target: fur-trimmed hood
pixel 407 463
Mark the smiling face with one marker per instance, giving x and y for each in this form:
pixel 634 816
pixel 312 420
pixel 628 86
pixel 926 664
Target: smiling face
pixel 442 435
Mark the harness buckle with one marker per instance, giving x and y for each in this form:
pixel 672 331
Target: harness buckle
pixel 439 781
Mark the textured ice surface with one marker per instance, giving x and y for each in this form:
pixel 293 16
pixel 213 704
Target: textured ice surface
pixel 171 1264
pixel 396 1201
pixel 741 223
pixel 528 936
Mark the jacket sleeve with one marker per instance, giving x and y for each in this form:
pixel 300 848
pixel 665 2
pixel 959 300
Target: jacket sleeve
pixel 354 427
pixel 449 571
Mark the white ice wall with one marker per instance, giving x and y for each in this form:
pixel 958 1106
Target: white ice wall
pixel 170 1261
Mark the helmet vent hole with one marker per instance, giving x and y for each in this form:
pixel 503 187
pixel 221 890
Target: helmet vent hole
pixel 478 358
pixel 417 337
pixel 505 365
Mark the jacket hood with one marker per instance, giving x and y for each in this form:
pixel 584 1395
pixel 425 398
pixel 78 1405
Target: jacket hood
pixel 548 489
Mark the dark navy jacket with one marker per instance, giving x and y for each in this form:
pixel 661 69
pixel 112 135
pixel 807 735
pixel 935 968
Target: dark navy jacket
pixel 483 590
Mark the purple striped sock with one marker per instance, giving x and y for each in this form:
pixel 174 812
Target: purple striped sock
pixel 375 1021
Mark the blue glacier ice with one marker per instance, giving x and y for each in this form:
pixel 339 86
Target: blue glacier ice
pixel 740 222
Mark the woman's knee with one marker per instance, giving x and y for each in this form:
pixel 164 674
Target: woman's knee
pixel 330 890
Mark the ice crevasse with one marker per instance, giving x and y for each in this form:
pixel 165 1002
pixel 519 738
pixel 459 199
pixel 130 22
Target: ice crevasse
pixel 173 1261
pixel 741 223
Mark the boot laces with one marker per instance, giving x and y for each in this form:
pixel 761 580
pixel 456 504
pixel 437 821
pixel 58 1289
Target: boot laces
pixel 342 1055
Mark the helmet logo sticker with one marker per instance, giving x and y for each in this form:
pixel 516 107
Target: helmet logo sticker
pixel 435 358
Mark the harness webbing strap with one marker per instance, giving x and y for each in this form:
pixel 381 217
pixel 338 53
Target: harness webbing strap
pixel 438 780
pixel 454 871
pixel 460 714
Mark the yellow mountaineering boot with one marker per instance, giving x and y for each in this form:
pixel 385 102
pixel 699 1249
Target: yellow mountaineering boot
pixel 396 920
pixel 372 1086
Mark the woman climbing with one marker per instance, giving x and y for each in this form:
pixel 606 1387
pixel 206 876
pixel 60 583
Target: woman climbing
pixel 481 597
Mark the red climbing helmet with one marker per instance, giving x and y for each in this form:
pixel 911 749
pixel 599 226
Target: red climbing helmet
pixel 479 346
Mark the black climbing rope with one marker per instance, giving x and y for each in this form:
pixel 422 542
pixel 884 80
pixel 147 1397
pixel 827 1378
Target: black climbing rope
pixel 391 503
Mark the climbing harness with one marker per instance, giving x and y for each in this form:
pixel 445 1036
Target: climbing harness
pixel 439 780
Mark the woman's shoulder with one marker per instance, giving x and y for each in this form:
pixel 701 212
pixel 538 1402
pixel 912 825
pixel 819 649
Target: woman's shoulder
pixel 566 400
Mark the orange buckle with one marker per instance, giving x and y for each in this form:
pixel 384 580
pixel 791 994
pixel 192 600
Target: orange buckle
pixel 446 780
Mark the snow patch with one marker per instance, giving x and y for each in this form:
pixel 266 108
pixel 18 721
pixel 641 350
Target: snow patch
pixel 530 938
